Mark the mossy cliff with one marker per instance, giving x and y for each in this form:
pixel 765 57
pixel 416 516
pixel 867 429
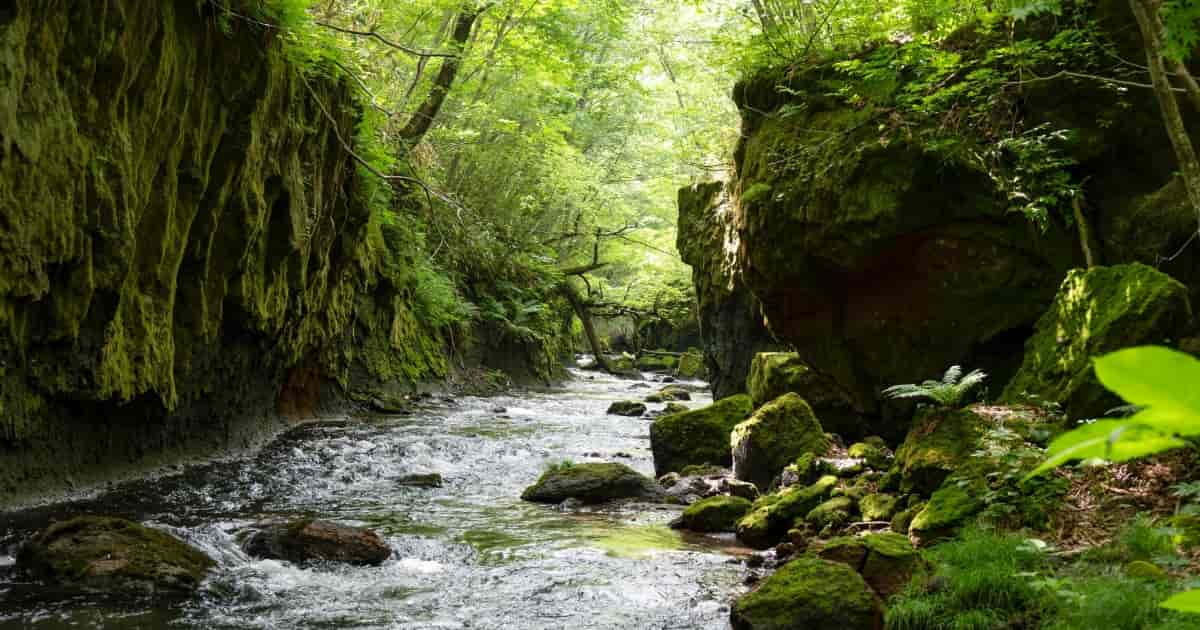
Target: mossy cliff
pixel 187 245
pixel 731 326
pixel 883 248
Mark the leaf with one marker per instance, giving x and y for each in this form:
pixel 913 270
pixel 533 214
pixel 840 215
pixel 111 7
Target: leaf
pixel 1187 601
pixel 1163 379
pixel 1111 440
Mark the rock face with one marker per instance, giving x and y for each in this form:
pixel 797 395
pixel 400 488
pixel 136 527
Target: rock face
pixel 809 594
pixel 193 277
pixel 114 556
pixel 878 256
pixel 311 540
pixel 773 374
pixel 731 325
pixel 591 483
pixel 775 436
pixel 1098 311
pixel 714 514
pixel 697 437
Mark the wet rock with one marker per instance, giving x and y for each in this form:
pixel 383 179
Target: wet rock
pixel 773 515
pixel 388 404
pixel 667 379
pixel 697 437
pixel 640 386
pixel 737 488
pixel 308 540
pixel 592 483
pixel 773 437
pixel 627 408
pixel 669 394
pixel 691 488
pixel 809 594
pixel 421 480
pixel 715 514
pixel 674 407
pixel 1098 311
pixel 113 555
pixel 499 410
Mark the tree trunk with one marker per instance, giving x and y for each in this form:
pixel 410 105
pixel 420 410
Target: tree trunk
pixel 589 329
pixel 1087 241
pixel 1185 153
pixel 423 118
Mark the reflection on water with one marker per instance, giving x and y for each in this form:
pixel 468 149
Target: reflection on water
pixel 467 555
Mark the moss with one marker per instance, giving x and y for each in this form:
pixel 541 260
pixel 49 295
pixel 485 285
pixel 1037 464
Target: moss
pixel 939 441
pixel 772 515
pixel 876 456
pixel 773 437
pixel 832 513
pixel 1145 570
pixel 691 365
pixel 697 437
pixel 809 594
pixel 115 555
pixel 949 507
pixel 878 507
pixel 903 519
pixel 656 363
pixel 773 374
pixel 674 407
pixel 715 514
pixel 1097 311
pixel 702 470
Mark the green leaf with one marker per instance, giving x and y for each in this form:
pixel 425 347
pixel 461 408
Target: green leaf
pixel 1187 601
pixel 1163 379
pixel 1112 440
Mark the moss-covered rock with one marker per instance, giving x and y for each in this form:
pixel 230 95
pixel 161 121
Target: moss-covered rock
pixel 832 513
pixel 1145 570
pixel 773 374
pixel 656 362
pixel 697 437
pixel 949 507
pixel 1098 311
pixel 714 514
pixel 113 555
pixel 773 515
pixel 887 561
pixel 627 408
pixel 875 454
pixel 809 594
pixel 903 519
pixel 309 540
pixel 777 434
pixel 669 393
pixel 878 507
pixel 939 442
pixel 591 483
pixel 674 407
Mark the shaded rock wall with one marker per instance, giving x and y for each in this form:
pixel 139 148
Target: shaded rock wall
pixel 731 326
pixel 181 229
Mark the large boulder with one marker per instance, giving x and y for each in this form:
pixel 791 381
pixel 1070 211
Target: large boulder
pixel 731 325
pixel 714 514
pixel 809 594
pixel 1098 311
pixel 114 556
pixel 591 483
pixel 773 515
pixel 309 540
pixel 773 374
pixel 886 561
pixel 939 442
pixel 697 437
pixel 775 436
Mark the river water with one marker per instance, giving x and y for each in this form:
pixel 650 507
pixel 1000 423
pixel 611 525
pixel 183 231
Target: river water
pixel 470 554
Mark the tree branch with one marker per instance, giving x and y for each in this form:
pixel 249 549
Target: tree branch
pixel 373 34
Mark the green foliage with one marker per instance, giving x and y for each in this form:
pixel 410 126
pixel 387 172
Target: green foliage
pixel 1179 24
pixel 951 391
pixel 1010 500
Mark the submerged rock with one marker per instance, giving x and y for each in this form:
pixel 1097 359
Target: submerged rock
pixel 308 540
pixel 627 408
pixel 809 594
pixel 776 435
pixel 697 437
pixel 427 480
pixel 715 514
pixel 1098 311
pixel 591 483
pixel 113 555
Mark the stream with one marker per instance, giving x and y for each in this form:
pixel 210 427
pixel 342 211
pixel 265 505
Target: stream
pixel 470 554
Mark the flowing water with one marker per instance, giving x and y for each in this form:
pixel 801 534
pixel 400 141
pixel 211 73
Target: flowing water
pixel 470 554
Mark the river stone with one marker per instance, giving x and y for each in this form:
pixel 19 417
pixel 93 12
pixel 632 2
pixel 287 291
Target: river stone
pixel 697 437
pixel 773 515
pixel 308 540
pixel 775 436
pixel 809 594
pixel 113 555
pixel 627 408
pixel 714 514
pixel 1098 311
pixel 428 480
pixel 591 483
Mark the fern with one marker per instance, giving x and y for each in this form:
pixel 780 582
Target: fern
pixel 948 392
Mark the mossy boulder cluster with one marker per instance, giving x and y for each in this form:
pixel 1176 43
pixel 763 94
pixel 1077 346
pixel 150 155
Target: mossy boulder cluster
pixel 773 374
pixel 809 594
pixel 592 483
pixel 697 437
pixel 113 556
pixel 778 433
